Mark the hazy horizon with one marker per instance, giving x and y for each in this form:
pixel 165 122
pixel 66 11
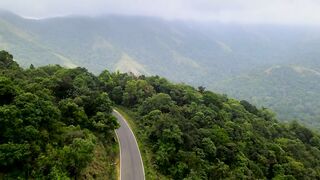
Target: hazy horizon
pixel 287 12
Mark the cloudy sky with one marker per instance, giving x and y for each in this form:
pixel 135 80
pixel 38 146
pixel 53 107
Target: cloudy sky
pixel 241 11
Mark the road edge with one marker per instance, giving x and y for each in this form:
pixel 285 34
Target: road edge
pixel 119 143
pixel 135 140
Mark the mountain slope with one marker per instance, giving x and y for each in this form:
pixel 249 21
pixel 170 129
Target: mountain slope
pixel 196 53
pixel 194 50
pixel 189 133
pixel 25 45
pixel 55 124
pixel 292 91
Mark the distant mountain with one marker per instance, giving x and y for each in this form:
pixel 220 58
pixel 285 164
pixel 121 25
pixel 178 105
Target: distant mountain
pixel 184 51
pixel 292 91
pixel 56 123
pixel 214 55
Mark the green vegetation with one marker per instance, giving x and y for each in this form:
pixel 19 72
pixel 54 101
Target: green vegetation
pixel 197 134
pixel 55 123
pixel 291 91
pixel 146 152
pixel 227 58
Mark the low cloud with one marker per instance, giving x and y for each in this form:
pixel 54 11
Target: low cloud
pixel 240 11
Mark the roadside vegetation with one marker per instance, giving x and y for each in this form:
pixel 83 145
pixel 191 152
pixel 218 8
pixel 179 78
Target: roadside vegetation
pixel 189 133
pixel 146 153
pixel 56 123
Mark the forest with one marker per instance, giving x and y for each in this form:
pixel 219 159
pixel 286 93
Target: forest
pixel 290 91
pixel 196 134
pixel 274 66
pixel 52 119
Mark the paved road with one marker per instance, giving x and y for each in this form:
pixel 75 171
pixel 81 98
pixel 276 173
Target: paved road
pixel 131 165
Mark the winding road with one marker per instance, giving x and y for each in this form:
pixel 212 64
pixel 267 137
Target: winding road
pixel 131 165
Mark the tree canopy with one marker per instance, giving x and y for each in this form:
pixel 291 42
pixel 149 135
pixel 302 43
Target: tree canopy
pixel 51 119
pixel 197 134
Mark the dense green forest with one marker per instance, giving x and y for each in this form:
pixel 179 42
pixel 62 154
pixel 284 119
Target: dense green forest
pixel 53 119
pixel 226 58
pixel 291 91
pixel 197 134
pixel 55 123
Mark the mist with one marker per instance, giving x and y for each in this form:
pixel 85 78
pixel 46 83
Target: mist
pixel 301 12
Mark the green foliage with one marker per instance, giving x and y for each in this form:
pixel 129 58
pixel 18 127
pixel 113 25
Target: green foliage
pixel 51 120
pixel 6 61
pixel 197 134
pixel 7 91
pixel 289 90
pixel 136 91
pixel 161 101
pixel 281 73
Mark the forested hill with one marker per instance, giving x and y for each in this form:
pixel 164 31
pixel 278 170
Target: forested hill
pixel 56 124
pixel 292 91
pixel 215 55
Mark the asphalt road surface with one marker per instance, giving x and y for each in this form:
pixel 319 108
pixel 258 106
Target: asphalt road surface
pixel 131 165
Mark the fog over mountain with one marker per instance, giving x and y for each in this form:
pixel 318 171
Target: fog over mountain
pixel 161 89
pixel 243 61
pixel 240 11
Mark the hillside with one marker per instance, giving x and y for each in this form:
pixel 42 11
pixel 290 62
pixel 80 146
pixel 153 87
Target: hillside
pixel 213 55
pixel 56 124
pixel 292 91
pixel 155 46
pixel 189 133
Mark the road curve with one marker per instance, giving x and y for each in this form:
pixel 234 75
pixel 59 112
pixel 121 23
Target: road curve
pixel 131 165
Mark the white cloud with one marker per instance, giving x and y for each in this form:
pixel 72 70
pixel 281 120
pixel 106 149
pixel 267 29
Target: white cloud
pixel 241 11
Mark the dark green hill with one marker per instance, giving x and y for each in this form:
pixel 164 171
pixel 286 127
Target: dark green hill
pixel 196 53
pixel 292 91
pixel 190 133
pixel 56 123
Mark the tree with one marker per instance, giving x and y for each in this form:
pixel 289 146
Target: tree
pixel 6 61
pixel 73 114
pixel 161 101
pixel 104 123
pixel 117 95
pixel 249 107
pixel 51 119
pixel 201 89
pixel 136 91
pixel 107 81
pixel 209 148
pixel 78 155
pixel 7 91
pixel 31 67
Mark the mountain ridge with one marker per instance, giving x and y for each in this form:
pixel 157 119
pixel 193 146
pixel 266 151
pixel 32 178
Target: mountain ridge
pixel 195 53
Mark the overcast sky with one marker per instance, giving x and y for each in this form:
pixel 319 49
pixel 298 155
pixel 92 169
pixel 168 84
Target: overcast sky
pixel 241 11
